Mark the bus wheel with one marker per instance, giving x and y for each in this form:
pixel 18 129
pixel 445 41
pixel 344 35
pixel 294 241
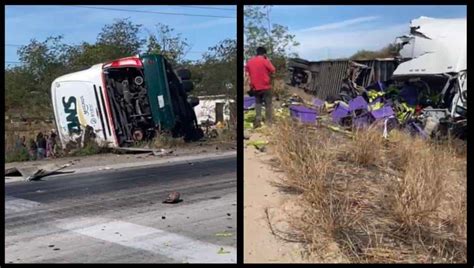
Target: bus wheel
pixel 138 135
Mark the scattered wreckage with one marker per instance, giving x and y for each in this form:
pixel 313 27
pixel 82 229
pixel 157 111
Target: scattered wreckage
pixel 37 172
pixel 425 90
pixel 124 101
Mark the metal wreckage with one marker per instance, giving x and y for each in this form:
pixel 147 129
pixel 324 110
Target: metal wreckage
pixel 424 90
pixel 124 101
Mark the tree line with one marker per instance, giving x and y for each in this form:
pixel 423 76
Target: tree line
pixel 27 87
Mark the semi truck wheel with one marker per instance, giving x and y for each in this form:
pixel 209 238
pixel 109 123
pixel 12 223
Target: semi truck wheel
pixel 184 74
pixel 187 85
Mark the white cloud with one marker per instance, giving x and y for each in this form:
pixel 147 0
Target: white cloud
pixel 340 24
pixel 344 43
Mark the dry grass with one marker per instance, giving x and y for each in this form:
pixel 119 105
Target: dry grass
pixel 368 148
pixel 280 89
pixel 166 141
pixel 369 200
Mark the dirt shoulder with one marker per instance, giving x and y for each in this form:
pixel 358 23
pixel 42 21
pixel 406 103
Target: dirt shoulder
pixel 102 160
pixel 265 203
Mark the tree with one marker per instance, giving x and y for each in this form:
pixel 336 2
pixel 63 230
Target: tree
pixel 42 58
pixel 225 51
pixel 390 51
pixel 218 68
pixel 259 31
pixel 122 36
pixel 29 85
pixel 165 42
pixel 86 55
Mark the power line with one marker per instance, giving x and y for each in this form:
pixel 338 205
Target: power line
pixel 155 12
pixel 206 7
pixel 14 45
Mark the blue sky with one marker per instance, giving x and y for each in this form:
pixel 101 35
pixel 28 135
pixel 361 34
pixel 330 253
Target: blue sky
pixel 340 31
pixel 78 24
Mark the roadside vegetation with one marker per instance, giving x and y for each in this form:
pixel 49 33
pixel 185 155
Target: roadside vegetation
pixel 371 200
pixel 27 86
pixel 90 148
pixel 19 155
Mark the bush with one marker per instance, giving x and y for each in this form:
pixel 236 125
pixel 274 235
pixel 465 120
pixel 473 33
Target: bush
pixel 17 156
pixel 90 148
pixel 167 141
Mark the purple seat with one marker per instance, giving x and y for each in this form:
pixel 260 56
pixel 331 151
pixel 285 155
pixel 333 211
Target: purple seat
pixel 414 129
pixel 341 111
pixel 384 112
pixel 249 102
pixel 318 103
pixel 358 103
pixel 362 121
pixel 304 114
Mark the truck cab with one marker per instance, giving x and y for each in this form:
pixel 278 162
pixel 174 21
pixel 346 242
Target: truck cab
pixel 124 101
pixel 434 58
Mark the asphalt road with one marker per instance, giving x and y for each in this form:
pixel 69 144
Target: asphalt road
pixel 115 216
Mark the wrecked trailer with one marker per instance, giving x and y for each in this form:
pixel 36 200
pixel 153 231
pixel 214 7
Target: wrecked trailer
pixel 124 101
pixel 325 79
pixel 427 89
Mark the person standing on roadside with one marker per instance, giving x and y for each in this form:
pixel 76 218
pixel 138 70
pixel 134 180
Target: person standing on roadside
pixel 19 143
pixel 23 141
pixel 259 69
pixel 41 144
pixel 52 138
pixel 49 146
pixel 32 149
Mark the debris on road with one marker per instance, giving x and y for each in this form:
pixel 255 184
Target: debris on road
pixel 135 150
pixel 173 197
pixel 162 152
pixel 35 173
pixel 47 170
pixel 14 172
pixel 224 234
pixel 222 251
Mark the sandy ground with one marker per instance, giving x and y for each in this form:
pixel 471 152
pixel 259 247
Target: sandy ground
pixel 260 195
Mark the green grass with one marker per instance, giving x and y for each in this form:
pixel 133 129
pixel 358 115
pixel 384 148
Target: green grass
pixel 90 148
pixel 17 156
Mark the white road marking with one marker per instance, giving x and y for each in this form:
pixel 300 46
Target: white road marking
pixel 171 245
pixel 14 205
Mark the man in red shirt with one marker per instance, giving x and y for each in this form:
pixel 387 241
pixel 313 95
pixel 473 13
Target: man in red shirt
pixel 258 70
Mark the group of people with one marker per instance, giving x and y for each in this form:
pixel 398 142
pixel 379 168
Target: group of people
pixel 43 147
